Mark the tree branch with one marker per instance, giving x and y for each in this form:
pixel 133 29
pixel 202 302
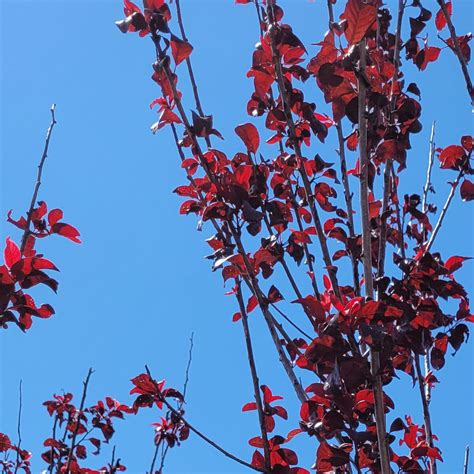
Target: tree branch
pixel 18 428
pixel 195 430
pixel 78 420
pixel 26 233
pixel 458 51
pixel 466 460
pixel 367 260
pixel 426 411
pixel 438 225
pixel 255 380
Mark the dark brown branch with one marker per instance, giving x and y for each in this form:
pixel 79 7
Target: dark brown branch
pixel 255 380
pixel 345 180
pixel 367 259
pixel 426 411
pixel 190 67
pixel 297 149
pixel 27 231
pixel 78 421
pixel 387 181
pixel 458 51
pixel 438 225
pixel 196 431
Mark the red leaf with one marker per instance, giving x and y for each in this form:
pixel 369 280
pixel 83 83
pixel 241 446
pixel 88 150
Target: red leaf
pixel 252 304
pixel 180 49
pixel 466 142
pixel 427 55
pixel 54 216
pixel 249 406
pixel 248 133
pixel 5 443
pixel 440 20
pixel 451 156
pixel 274 294
pixel 467 190
pixel 236 317
pixel 352 141
pixel 360 16
pixel 11 253
pixel 455 263
pixel 67 231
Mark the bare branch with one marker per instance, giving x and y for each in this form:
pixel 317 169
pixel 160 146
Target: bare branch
pixel 458 51
pixel 18 427
pixel 255 380
pixel 438 225
pixel 76 428
pixel 38 178
pixel 466 460
pixel 196 431
pixel 426 411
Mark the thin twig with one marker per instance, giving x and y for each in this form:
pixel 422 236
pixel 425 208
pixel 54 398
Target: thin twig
pixel 438 225
pixel 26 233
pixel 427 186
pixel 195 430
pixel 18 428
pixel 78 421
pixel 458 51
pixel 255 380
pixel 426 411
pixel 424 233
pixel 164 450
pixel 466 460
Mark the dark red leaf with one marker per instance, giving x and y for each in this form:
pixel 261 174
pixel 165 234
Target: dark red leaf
pixel 180 49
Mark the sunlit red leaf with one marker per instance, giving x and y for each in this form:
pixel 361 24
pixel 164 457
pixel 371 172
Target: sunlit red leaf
pixel 11 254
pixel 440 20
pixel 360 16
pixel 181 50
pixel 248 133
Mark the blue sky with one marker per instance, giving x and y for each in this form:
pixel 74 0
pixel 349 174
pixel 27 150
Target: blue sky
pixel 137 287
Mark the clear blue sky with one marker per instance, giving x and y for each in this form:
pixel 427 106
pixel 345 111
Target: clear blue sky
pixel 138 286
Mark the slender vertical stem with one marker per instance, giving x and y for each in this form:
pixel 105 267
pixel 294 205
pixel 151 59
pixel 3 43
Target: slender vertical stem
pixel 439 223
pixel 27 231
pixel 458 51
pixel 426 187
pixel 367 259
pixel 348 199
pixel 18 428
pixel 255 380
pixel 424 233
pixel 426 411
pixel 78 421
pixel 466 460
